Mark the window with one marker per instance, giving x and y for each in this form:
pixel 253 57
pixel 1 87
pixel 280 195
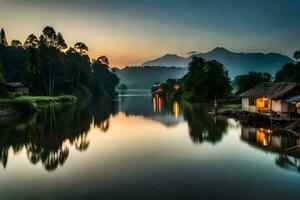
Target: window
pixel 251 101
pixel 266 103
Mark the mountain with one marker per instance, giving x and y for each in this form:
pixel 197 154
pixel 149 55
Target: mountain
pixel 235 63
pixel 144 77
pixel 168 60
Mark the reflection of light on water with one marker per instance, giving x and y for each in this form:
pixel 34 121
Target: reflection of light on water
pixel 157 103
pixel 176 109
pixel 263 136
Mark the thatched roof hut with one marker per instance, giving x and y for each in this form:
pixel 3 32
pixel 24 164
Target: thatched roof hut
pixel 272 90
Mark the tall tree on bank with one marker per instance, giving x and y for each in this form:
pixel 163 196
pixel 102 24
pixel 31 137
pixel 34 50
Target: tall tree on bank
pixel 80 58
pixel 50 45
pixel 205 81
pixel 102 76
pixel 3 40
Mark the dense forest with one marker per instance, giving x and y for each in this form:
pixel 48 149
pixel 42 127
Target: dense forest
pixel 49 67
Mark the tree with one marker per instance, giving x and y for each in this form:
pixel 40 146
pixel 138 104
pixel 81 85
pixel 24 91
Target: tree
pixel 33 65
pixel 205 81
pixel 31 41
pixel 16 44
pixel 3 40
pixel 50 37
pixel 250 80
pixel 102 76
pixel 289 73
pixel 81 48
pixel 60 42
pixel 50 70
pixel 297 55
pixel 103 60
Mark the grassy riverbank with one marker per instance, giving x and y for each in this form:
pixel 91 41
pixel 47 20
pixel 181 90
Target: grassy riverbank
pixel 29 104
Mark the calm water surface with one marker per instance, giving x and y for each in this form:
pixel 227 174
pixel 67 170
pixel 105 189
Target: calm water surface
pixel 137 147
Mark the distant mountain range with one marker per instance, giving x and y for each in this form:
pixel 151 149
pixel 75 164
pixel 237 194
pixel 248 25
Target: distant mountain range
pixel 144 77
pixel 235 63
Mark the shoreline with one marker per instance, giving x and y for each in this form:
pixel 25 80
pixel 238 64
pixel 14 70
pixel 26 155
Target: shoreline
pixel 10 106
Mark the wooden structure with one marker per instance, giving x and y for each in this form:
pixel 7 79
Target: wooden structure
pixel 278 100
pixel 18 87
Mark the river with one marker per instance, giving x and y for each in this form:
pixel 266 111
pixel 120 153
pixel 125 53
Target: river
pixel 139 147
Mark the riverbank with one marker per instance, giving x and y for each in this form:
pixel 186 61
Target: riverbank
pixel 30 104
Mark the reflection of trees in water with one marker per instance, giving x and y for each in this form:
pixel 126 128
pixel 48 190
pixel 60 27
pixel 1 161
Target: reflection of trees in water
pixel 202 125
pixel 48 135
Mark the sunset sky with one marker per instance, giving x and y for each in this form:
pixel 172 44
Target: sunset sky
pixel 130 32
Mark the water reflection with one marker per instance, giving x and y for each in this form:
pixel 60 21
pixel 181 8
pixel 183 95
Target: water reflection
pixel 276 141
pixel 47 136
pixel 203 126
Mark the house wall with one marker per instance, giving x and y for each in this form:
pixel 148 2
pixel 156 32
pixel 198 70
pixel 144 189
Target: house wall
pixel 276 105
pixel 246 107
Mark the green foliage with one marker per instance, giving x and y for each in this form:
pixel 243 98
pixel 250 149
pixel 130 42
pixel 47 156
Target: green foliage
pixel 205 81
pixel 50 70
pixel 289 73
pixel 250 80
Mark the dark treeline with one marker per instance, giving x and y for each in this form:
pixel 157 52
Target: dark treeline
pixel 50 67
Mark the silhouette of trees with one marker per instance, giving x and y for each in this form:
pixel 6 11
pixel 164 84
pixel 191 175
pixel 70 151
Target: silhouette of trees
pixel 81 48
pixel 50 70
pixel 16 44
pixel 31 42
pixel 248 81
pixel 3 40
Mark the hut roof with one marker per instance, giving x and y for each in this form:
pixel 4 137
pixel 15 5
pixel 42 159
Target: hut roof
pixel 272 90
pixel 294 99
pixel 16 84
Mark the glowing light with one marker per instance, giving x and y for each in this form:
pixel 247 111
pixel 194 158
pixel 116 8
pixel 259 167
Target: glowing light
pixel 176 109
pixel 263 136
pixel 157 103
pixel 176 86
